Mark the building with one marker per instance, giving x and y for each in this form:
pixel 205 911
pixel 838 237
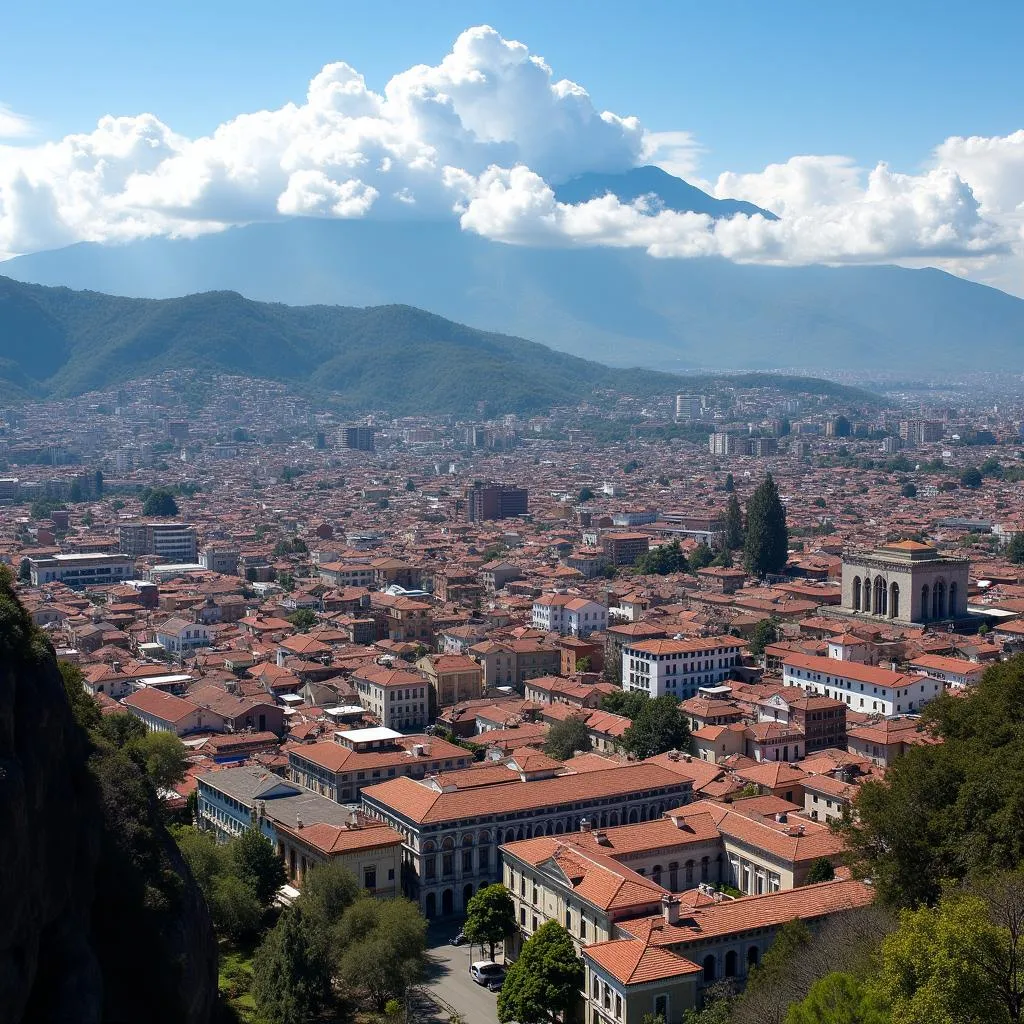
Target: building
pixel 163 712
pixel 495 501
pixel 452 834
pixel 221 560
pixel 689 407
pixel 512 662
pixel 357 439
pixel 452 678
pixel 906 582
pixel 915 432
pixel 339 769
pixel 863 688
pixel 81 569
pixel 678 667
pixel 169 542
pixel 954 673
pixel 396 697
pixel 179 636
pixel 569 615
pixel 622 548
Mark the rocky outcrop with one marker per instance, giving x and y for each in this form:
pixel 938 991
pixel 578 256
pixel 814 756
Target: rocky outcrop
pixel 100 919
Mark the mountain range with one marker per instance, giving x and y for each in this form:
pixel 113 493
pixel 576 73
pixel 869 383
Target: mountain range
pixel 55 342
pixel 619 306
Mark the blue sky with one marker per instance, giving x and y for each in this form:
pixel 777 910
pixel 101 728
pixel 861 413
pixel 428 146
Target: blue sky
pixel 756 82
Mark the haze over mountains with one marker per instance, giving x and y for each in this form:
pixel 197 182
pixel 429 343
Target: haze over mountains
pixel 619 306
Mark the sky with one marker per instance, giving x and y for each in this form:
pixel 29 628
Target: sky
pixel 877 131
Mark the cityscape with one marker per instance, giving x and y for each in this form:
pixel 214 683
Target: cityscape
pixel 456 570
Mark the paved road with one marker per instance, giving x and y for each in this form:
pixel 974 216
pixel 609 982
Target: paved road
pixel 448 977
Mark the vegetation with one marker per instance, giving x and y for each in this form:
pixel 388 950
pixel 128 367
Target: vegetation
pixel 158 501
pixel 767 540
pixel 628 703
pixel 733 523
pixel 971 478
pixel 291 978
pixel 659 726
pixel 822 870
pixel 662 560
pixel 765 632
pixel 1015 549
pixel 290 546
pixel 303 619
pixel 490 916
pixel 164 757
pixel 542 986
pixel 566 738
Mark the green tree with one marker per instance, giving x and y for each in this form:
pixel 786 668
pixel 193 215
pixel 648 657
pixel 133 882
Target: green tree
pixel 565 738
pixel 909 490
pixel 730 484
pixel 628 703
pixel 236 911
pixel 43 508
pixel 821 870
pixel 662 560
pixel 303 619
pixel 723 559
pixel 122 728
pixel 970 478
pixel 383 943
pixel 659 726
pixel 490 916
pixel 291 979
pixel 25 571
pixel 328 890
pixel 733 525
pixel 765 632
pixel 98 483
pixel 701 557
pixel 1015 549
pixel 159 501
pixel 205 856
pixel 542 986
pixel 766 545
pixel 255 861
pixel 164 757
pixel 586 494
pixel 839 998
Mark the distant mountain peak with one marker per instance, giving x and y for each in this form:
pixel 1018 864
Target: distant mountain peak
pixel 670 192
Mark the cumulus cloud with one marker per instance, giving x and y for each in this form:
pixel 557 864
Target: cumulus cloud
pixel 483 135
pixel 14 125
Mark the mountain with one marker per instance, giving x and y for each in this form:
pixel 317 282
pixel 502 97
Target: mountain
pixel 668 192
pixel 616 305
pixel 58 342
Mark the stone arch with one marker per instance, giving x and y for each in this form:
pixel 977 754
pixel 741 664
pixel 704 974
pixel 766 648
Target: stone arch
pixel 431 905
pixel 613 819
pixel 731 960
pixel 709 968
pixel 448 843
pixel 753 956
pixel 447 903
pixel 856 593
pixel 878 601
pixel 894 600
pixel 939 600
pixel 510 835
pixel 467 839
pixel 467 895
pixel 925 596
pixel 954 609
pixel 634 816
pixel 549 829
pixel 866 604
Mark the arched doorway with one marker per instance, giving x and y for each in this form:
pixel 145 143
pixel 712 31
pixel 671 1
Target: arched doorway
pixel 856 593
pixel 730 963
pixel 753 957
pixel 709 967
pixel 447 903
pixel 467 895
pixel 925 593
pixel 431 905
pixel 894 600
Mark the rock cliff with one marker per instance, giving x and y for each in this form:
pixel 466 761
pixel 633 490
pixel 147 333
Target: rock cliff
pixel 101 921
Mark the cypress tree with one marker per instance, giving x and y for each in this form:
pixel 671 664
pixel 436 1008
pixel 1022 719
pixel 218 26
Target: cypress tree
pixel 766 547
pixel 733 524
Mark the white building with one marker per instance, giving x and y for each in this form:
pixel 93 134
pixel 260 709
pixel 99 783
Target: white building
pixel 81 569
pixel 179 636
pixel 569 615
pixel 864 688
pixel 679 667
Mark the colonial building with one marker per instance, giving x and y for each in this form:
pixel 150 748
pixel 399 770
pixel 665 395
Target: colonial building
pixel 678 667
pixel 906 582
pixel 452 678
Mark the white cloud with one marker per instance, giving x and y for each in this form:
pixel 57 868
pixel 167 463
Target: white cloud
pixel 483 133
pixel 14 125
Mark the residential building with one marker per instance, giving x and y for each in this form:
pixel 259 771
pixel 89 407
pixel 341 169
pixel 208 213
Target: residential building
pixel 396 697
pixel 689 407
pixel 512 662
pixel 678 667
pixel 452 678
pixel 171 543
pixel 179 636
pixel 495 501
pixel 954 673
pixel 358 439
pixel 221 560
pixel 81 569
pixel 621 548
pixel 163 712
pixel 569 614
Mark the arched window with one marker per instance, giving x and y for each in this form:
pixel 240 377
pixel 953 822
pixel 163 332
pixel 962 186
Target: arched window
pixel 705 865
pixel 953 608
pixel 656 873
pixel 866 606
pixel 689 873
pixel 879 596
pixel 730 963
pixel 673 875
pixel 709 967
pixel 939 600
pixel 925 594
pixel 753 956
pixel 894 600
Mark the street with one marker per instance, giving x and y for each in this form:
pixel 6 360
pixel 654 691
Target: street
pixel 448 976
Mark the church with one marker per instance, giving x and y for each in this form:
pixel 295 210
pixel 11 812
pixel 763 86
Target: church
pixel 905 582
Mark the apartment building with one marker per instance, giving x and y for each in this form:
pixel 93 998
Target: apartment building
pixel 81 569
pixel 677 666
pixel 171 543
pixel 495 501
pixel 512 662
pixel 621 548
pixel 397 697
pixel 452 678
pixel 569 615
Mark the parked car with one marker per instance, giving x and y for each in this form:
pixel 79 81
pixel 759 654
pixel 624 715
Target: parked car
pixel 458 940
pixel 487 972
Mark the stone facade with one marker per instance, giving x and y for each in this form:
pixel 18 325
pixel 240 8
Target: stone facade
pixel 905 582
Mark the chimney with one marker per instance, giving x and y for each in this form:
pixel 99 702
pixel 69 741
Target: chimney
pixel 781 818
pixel 585 825
pixel 116 666
pixel 298 822
pixel 670 909
pixel 353 820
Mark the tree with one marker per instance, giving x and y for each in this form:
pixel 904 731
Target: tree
pixel 662 560
pixel 205 856
pixel 1015 549
pixel 25 571
pixel 490 916
pixel 839 999
pixel 383 943
pixel 733 525
pixel 236 911
pixel 701 557
pixel 43 508
pixel 328 890
pixel 164 757
pixel 659 726
pixel 628 703
pixel 821 870
pixel 303 619
pixel 766 545
pixel 971 478
pixel 909 490
pixel 730 484
pixel 159 501
pixel 291 980
pixel 586 494
pixel 765 632
pixel 122 728
pixel 566 737
pixel 98 483
pixel 255 862
pixel 542 986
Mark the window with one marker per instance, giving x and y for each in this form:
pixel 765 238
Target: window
pixel 661 1006
pixel 369 878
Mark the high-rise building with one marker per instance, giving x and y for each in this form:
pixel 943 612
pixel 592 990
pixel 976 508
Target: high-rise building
pixel 170 542
pixel 689 407
pixel 495 501
pixel 359 439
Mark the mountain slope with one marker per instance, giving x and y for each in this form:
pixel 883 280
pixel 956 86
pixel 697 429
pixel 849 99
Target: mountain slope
pixel 669 192
pixel 62 342
pixel 615 305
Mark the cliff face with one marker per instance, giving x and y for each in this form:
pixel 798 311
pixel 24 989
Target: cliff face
pixel 100 919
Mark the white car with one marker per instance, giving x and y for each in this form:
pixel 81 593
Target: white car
pixel 487 972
